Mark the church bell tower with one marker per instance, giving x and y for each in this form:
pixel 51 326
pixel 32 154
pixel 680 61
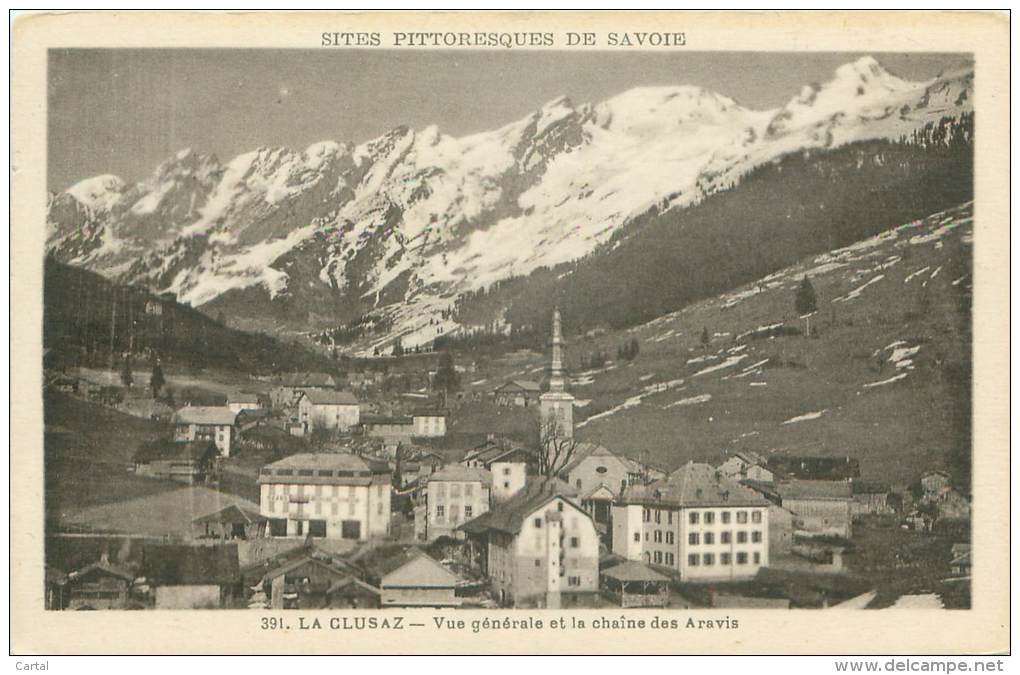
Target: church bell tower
pixel 557 404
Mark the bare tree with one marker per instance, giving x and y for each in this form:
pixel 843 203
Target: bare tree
pixel 556 448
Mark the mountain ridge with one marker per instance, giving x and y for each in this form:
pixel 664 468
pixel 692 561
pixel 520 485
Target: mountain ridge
pixel 405 223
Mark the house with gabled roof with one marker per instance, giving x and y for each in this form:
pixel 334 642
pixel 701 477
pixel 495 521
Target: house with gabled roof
pixel 453 495
pixel 101 585
pixel 328 409
pixel 747 465
pixel 520 393
pixel 301 577
pixel 206 423
pixel 183 576
pixel 821 507
pixel 600 475
pixel 413 579
pixel 540 548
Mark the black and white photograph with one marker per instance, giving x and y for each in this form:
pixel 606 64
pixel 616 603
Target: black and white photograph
pixel 490 326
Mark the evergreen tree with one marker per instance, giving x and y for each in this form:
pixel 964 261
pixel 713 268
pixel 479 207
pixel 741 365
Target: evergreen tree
pixel 634 349
pixel 805 302
pixel 447 378
pixel 156 381
pixel 705 339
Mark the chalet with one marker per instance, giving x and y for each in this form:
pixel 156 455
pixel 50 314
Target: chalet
pixel 353 593
pixel 416 580
pixel 392 428
pixel 244 401
pixel 454 495
pixel 300 578
pixel 429 422
pixel 697 522
pixel 192 577
pixel 329 495
pixel 187 462
pixel 746 465
pixel 788 467
pixel 206 423
pixel 233 522
pixel 539 548
pixel 328 409
pixel 520 393
pixel 869 497
pixel 101 585
pixel 508 462
pixel 821 506
pixel 288 387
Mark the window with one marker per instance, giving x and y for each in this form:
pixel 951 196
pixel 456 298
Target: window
pixel 757 558
pixel 693 519
pixel 506 471
pixel 756 516
pixel 742 517
pixel 573 581
pixel 658 536
pixel 709 538
pixel 646 515
pixel 637 536
pixel 669 537
pixel 725 517
pixel 658 516
pixel 578 483
pixel 708 559
pixel 559 506
pixel 646 536
pixel 670 560
pixel 506 485
pixel 756 537
pixel 440 511
pixel 725 537
pixel 724 558
pixel 692 560
pixel 538 522
pixel 669 517
pixel 709 517
pixel 538 562
pixel 325 472
pixel 657 556
pixel 468 512
pixel 741 558
pixel 306 472
pixel 741 537
pixel 575 542
pixel 692 539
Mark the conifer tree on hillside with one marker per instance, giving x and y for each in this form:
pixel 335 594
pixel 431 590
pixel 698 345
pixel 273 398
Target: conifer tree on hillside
pixel 705 339
pixel 447 378
pixel 806 302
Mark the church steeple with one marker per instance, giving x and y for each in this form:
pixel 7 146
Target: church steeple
pixel 557 380
pixel 557 404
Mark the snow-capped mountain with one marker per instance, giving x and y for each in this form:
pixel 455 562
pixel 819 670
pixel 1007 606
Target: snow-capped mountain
pixel 404 223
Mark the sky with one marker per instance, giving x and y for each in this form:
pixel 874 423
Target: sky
pixel 123 111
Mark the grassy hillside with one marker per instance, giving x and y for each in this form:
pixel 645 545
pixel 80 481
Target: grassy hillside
pixel 885 376
pixel 86 317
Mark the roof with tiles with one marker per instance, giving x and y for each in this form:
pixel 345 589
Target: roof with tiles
pixel 329 397
pixel 694 485
pixel 510 516
pixel 205 414
pixel 459 472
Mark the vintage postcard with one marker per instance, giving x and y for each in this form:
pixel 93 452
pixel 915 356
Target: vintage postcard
pixel 516 332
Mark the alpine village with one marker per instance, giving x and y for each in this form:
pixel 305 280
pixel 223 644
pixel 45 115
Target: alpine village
pixel 757 398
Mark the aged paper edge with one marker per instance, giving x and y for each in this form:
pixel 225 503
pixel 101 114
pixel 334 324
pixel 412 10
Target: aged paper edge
pixel 982 630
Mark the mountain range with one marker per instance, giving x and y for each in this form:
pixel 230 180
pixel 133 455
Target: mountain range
pixel 398 228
